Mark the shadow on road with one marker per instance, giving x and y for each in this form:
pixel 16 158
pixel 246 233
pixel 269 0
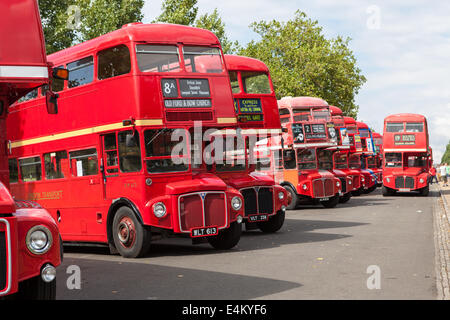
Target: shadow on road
pixel 294 231
pixel 151 282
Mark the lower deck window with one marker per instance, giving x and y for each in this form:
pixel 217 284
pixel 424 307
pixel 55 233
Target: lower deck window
pixel 30 169
pixel 84 162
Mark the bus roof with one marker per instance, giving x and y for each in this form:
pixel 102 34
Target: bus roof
pixel 146 33
pixel 349 120
pixel 242 63
pixel 376 135
pixel 335 111
pixel 400 117
pixel 362 125
pixel 302 103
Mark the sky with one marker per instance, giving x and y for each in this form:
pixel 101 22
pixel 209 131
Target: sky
pixel 401 46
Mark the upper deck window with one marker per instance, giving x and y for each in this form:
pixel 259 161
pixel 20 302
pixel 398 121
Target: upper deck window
pixel 256 83
pixel 202 59
pixel 81 72
pixel 113 62
pixel 394 127
pixel 352 129
pixel 414 127
pixel 364 133
pixel 301 115
pixel 158 58
pixel 234 82
pixel 323 114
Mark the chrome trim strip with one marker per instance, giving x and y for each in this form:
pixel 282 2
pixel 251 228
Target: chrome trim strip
pixel 9 275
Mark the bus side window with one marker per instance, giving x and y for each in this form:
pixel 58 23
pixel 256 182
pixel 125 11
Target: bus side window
pixel 278 159
pixel 81 72
pixel 129 151
pixel 30 169
pixel 84 162
pixel 53 163
pixel 13 170
pixel 113 62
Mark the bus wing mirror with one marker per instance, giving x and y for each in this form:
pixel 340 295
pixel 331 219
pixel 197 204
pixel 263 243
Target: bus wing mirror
pixel 51 100
pixel 60 74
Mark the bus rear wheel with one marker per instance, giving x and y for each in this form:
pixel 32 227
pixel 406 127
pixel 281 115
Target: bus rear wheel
pixel 228 238
pixel 331 203
pixel 131 238
pixel 274 223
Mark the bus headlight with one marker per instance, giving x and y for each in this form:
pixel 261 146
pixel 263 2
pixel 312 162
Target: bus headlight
pixel 338 184
pixel 305 187
pixel 159 210
pixel 39 240
pixel 236 203
pixel 281 195
pixel 362 179
pixel 421 180
pixel 388 180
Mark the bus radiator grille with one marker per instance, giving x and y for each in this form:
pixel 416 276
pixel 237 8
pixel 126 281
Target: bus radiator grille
pixel 3 261
pixel 409 182
pixel 343 184
pixel 265 200
pixel 250 201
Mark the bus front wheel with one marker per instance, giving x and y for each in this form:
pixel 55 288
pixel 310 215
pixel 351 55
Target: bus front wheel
pixel 294 198
pixel 345 198
pixel 387 191
pixel 36 289
pixel 425 191
pixel 331 203
pixel 131 238
pixel 274 223
pixel 228 238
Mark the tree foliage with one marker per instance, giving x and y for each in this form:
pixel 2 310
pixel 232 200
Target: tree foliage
pixel 446 155
pixel 67 22
pixel 303 62
pixel 185 12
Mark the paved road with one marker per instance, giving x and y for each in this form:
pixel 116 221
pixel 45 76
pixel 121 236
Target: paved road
pixel 318 254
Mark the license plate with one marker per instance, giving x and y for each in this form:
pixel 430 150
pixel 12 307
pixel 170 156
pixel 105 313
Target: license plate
pixel 404 190
pixel 258 218
pixel 204 232
pixel 324 199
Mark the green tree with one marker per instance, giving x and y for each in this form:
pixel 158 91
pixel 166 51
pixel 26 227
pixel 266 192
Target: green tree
pixel 214 23
pixel 178 12
pixel 303 62
pixel 67 22
pixel 185 12
pixel 446 156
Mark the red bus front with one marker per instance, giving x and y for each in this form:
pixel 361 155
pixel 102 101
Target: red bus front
pixel 405 154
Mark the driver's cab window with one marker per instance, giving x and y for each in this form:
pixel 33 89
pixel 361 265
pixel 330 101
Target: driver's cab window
pixel 289 160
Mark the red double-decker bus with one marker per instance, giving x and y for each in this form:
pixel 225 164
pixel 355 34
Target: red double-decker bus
pixel 375 162
pixel 294 156
pixel 405 154
pixel 257 112
pixel 30 248
pixel 114 165
pixel 341 156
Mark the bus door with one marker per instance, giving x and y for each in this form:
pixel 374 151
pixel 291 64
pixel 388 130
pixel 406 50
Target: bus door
pixel 120 163
pixel 290 172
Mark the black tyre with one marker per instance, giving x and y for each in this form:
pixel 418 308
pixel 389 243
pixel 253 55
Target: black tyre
pixel 345 198
pixel 357 193
pixel 425 191
pixel 36 289
pixel 274 223
pixel 228 238
pixel 294 196
pixel 331 203
pixel 387 191
pixel 131 238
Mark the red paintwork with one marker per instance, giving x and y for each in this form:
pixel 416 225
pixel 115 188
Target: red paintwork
pixel 86 204
pixel 22 46
pixel 418 147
